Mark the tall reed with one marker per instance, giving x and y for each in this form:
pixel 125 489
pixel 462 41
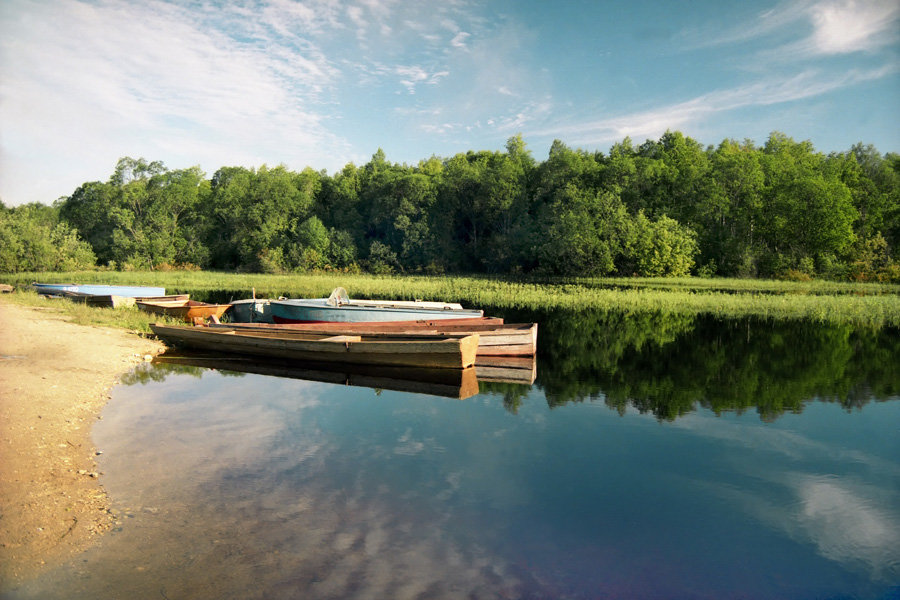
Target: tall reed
pixel 861 304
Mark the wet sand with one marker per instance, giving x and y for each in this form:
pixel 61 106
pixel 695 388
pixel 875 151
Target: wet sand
pixel 55 379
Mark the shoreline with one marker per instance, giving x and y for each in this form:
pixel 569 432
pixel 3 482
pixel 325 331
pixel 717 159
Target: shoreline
pixel 55 379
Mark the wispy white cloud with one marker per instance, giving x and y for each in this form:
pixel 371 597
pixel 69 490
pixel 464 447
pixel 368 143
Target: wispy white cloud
pixel 459 40
pixel 853 25
pixel 97 81
pixel 691 113
pixel 831 27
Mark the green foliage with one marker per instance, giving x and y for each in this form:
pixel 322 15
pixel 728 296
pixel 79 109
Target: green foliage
pixel 664 207
pixel 32 240
pixel 582 233
pixel 661 248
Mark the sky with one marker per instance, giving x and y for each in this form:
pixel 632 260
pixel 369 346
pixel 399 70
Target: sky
pixel 322 83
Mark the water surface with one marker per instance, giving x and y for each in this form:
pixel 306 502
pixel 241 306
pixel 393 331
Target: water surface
pixel 652 458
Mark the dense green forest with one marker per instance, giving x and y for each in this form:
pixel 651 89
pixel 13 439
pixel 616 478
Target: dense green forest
pixel 665 207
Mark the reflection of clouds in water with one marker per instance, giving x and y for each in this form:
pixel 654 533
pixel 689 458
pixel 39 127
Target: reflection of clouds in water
pixel 408 446
pixel 212 433
pixel 846 527
pixel 250 493
pixel 850 522
pixel 791 444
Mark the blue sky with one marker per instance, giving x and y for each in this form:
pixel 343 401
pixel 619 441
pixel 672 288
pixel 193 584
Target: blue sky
pixel 322 83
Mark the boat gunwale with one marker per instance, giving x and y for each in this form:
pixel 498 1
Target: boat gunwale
pixel 442 353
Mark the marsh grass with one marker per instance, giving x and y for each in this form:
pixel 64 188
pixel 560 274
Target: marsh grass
pixel 835 302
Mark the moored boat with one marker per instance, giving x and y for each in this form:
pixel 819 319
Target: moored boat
pixel 163 298
pixel 101 300
pixel 494 339
pixel 433 352
pixel 186 310
pixel 318 310
pixel 251 310
pixel 132 291
pixel 338 308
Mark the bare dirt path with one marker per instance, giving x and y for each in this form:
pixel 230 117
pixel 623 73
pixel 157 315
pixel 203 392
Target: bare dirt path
pixel 55 378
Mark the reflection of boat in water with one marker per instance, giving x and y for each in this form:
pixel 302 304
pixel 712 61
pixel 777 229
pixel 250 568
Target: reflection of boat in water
pixel 506 369
pixel 448 383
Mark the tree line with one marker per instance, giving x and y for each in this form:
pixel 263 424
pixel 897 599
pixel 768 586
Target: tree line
pixel 665 207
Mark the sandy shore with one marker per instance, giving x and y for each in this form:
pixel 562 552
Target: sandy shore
pixel 55 379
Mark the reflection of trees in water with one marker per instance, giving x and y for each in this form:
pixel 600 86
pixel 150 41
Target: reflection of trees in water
pixel 513 393
pixel 668 366
pixel 157 372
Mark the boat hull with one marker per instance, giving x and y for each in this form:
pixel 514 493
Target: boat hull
pixel 318 311
pixel 186 310
pixel 131 291
pixel 255 310
pixel 101 300
pixel 454 353
pixel 494 339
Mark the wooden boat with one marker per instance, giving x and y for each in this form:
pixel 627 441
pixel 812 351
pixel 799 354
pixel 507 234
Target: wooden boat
pixel 5 288
pixel 448 383
pixel 186 310
pixel 101 300
pixel 339 308
pixel 494 339
pixel 434 352
pixel 131 291
pixel 163 298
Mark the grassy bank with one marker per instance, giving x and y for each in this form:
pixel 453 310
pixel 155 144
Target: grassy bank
pixel 79 313
pixel 860 304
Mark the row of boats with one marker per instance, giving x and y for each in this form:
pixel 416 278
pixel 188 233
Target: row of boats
pixel 334 330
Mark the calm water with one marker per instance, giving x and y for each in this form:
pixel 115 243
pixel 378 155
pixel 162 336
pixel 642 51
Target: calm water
pixel 652 458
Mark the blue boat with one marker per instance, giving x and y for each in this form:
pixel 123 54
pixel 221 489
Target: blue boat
pixel 339 309
pixel 129 291
pixel 253 310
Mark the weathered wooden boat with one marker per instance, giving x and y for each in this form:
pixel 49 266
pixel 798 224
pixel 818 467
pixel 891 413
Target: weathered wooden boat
pixel 448 383
pixel 186 310
pixel 101 300
pixel 494 339
pixel 434 352
pixel 132 291
pixel 5 288
pixel 339 308
pixel 163 298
